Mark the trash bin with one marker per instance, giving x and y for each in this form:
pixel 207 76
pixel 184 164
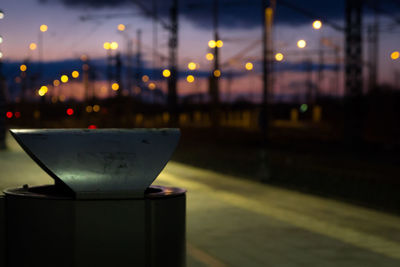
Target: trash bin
pixel 101 210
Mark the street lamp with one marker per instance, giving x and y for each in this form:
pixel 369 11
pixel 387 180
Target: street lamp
pixel 395 55
pixel 192 66
pixel 301 43
pixel 249 66
pixel 317 24
pixel 279 56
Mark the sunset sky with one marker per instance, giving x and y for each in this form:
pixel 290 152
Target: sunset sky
pixel 68 37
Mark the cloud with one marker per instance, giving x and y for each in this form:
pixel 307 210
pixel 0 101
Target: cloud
pixel 232 13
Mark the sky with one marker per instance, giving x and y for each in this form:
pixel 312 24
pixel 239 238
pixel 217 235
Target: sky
pixel 68 37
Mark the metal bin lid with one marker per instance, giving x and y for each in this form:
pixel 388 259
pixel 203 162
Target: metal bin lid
pixel 101 163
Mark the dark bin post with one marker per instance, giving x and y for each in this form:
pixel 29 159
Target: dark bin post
pixel 101 211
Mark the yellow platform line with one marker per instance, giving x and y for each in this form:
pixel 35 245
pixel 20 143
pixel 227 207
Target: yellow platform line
pixel 347 235
pixel 203 257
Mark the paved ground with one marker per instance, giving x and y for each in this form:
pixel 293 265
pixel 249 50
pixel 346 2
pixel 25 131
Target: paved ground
pixel 236 222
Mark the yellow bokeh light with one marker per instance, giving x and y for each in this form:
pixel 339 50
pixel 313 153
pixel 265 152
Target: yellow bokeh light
pixel 56 82
pixel 115 86
pixel 44 89
pixel 301 43
pixel 22 67
pixel 84 57
pixel 75 74
pixel 121 27
pixel 317 24
pixel 249 66
pixel 96 108
pixel 89 109
pixel 219 44
pixel 279 56
pixel 190 78
pixel 41 93
pixel 43 28
pixel 212 43
pixel 145 78
pixel 114 45
pixel 1 54
pixel 192 66
pixel 209 56
pixel 166 73
pixel 32 46
pixel 107 46
pixel 395 55
pixel 217 73
pixel 64 78
pixel 152 86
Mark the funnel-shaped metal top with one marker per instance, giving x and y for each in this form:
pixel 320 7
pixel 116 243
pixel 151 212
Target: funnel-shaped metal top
pixel 101 163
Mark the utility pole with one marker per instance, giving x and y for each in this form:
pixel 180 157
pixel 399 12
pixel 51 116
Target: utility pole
pixel 268 7
pixel 138 66
pixel 353 106
pixel 373 41
pixel 172 81
pixel 118 70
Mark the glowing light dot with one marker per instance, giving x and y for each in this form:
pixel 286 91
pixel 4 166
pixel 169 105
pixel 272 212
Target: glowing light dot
pixel 115 86
pixel 192 66
pixel 96 108
pixel 217 73
pixel 70 112
pixel 1 54
pixel 190 78
pixel 301 43
pixel 114 45
pixel 152 86
pixel 212 44
pixel 279 56
pixel 166 73
pixel 1 14
pixel 64 78
pixel 22 67
pixel 249 66
pixel 32 46
pixel 56 82
pixel 75 74
pixel 43 28
pixel 303 107
pixel 107 46
pixel 121 27
pixel 1 39
pixel 219 44
pixel 44 89
pixel 92 126
pixel 395 55
pixel 209 56
pixel 9 114
pixel 317 24
pixel 145 78
pixel 89 109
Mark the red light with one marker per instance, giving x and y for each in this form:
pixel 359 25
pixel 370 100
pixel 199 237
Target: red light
pixel 9 114
pixel 17 114
pixel 70 111
pixel 92 126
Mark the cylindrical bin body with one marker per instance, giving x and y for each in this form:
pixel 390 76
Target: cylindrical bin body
pixel 48 228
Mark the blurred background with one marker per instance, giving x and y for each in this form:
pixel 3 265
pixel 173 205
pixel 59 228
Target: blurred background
pixel 296 94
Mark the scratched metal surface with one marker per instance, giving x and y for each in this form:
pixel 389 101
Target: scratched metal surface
pixel 102 162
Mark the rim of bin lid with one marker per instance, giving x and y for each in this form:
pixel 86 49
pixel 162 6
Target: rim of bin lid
pixel 101 163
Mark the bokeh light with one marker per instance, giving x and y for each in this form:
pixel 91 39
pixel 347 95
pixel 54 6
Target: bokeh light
pixel 217 73
pixel 190 78
pixel 192 66
pixel 115 86
pixel 32 46
pixel 64 78
pixel 43 28
pixel 23 67
pixel 209 56
pixel 279 56
pixel 301 43
pixel 211 44
pixel 395 55
pixel 248 66
pixel 121 27
pixel 317 24
pixel 166 73
pixel 75 74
